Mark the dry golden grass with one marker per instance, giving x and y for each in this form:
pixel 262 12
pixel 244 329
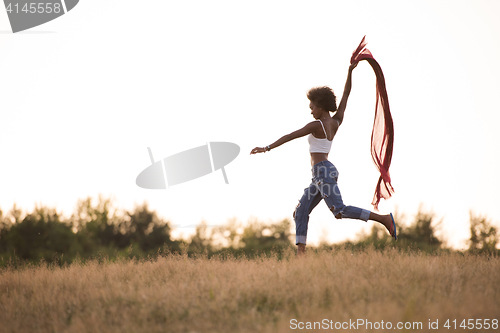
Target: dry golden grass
pixel 179 294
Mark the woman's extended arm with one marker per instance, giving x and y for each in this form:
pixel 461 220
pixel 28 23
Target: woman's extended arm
pixel 339 116
pixel 309 128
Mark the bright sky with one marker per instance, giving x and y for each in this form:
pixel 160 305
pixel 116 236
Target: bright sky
pixel 83 96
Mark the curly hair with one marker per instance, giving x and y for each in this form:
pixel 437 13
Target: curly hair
pixel 323 97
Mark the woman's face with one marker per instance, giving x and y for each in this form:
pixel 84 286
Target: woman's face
pixel 315 110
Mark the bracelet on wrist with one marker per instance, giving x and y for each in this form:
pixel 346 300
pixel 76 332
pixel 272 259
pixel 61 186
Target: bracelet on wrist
pixel 268 148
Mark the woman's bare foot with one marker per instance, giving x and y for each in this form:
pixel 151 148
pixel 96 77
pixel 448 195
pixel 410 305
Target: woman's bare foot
pixel 301 249
pixel 386 220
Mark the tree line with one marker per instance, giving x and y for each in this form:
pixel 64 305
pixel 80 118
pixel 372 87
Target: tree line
pixel 97 229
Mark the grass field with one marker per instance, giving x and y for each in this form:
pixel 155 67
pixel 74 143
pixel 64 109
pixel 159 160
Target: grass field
pixel 175 293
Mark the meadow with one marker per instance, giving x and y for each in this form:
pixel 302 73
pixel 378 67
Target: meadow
pixel 326 290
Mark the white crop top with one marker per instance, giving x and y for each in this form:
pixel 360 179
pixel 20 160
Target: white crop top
pixel 319 145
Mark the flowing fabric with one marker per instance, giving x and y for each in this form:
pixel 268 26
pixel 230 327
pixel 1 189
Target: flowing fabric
pixel 383 128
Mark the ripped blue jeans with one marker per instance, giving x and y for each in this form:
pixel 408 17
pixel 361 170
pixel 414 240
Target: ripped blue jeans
pixel 323 186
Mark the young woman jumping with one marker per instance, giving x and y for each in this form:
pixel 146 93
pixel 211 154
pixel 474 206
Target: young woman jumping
pixel 324 182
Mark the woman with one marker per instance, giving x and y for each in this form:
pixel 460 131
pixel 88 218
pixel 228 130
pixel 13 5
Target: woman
pixel 324 183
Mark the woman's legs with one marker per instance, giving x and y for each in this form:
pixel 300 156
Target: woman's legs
pixel 309 200
pixel 324 186
pixel 331 193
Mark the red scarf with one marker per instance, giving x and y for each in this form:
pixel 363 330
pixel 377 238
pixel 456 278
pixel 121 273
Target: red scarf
pixel 383 128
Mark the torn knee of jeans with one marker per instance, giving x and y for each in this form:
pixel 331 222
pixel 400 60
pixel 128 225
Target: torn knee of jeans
pixel 338 215
pixel 295 211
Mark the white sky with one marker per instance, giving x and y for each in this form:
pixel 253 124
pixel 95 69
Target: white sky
pixel 83 96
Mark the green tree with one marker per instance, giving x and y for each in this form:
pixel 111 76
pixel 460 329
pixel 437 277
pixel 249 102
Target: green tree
pixel 423 230
pixel 102 227
pixel 252 239
pixel 483 236
pixel 42 234
pixel 94 224
pixel 261 237
pixel 202 240
pixel 144 228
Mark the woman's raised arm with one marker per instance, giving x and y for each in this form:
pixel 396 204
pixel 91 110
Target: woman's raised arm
pixel 339 116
